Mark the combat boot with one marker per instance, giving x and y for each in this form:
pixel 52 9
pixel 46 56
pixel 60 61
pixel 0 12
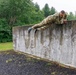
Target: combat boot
pixel 29 29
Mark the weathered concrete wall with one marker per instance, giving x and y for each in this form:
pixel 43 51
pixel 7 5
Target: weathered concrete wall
pixel 57 43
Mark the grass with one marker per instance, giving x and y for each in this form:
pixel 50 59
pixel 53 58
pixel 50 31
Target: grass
pixel 6 46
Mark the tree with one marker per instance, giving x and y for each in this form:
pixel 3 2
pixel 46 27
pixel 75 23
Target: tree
pixel 37 17
pixel 37 14
pixel 70 16
pixel 46 10
pixel 11 13
pixel 52 11
pixel 13 9
pixel 37 8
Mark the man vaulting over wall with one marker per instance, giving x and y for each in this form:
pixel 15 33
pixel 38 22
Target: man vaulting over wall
pixel 57 18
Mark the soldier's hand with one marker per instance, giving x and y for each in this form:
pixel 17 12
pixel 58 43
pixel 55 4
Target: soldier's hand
pixel 65 21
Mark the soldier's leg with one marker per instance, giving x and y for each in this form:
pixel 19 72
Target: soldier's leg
pixel 41 24
pixel 36 26
pixel 41 28
pixel 44 27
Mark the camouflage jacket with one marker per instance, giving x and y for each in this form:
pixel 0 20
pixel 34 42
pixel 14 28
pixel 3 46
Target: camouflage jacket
pixel 54 19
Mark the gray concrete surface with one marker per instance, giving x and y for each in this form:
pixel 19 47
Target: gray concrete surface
pixel 57 43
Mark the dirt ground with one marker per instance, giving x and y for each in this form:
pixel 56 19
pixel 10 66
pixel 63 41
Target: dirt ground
pixel 13 63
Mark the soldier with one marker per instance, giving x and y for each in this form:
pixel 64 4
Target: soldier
pixel 57 18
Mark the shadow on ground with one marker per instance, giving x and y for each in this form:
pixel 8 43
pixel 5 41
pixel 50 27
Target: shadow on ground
pixel 13 63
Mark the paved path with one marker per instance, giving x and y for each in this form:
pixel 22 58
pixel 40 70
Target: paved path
pixel 13 63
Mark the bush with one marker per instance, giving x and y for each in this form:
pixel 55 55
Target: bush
pixel 5 31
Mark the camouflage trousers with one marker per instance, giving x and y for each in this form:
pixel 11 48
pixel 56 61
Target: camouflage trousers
pixel 43 24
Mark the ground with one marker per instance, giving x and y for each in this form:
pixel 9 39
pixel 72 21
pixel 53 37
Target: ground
pixel 14 63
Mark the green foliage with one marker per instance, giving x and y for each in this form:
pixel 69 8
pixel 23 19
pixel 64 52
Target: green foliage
pixel 37 8
pixel 22 12
pixel 5 31
pixel 15 13
pixel 52 11
pixel 37 17
pixel 46 10
pixel 13 9
pixel 70 16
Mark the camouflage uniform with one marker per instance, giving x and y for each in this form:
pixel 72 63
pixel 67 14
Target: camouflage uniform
pixel 52 19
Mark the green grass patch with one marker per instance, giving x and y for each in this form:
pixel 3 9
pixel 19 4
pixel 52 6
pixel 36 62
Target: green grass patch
pixel 6 46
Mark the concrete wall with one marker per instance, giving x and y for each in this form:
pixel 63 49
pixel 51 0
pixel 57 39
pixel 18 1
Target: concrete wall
pixel 57 43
